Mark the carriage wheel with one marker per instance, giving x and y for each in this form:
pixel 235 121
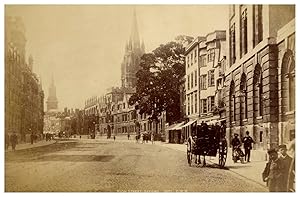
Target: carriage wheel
pixel 223 153
pixel 189 154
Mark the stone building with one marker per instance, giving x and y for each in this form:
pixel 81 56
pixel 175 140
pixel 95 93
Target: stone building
pixel 258 80
pixel 205 60
pixel 24 97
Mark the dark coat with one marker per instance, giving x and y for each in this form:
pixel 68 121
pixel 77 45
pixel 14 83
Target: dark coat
pixel 273 175
pixel 248 142
pixel 286 161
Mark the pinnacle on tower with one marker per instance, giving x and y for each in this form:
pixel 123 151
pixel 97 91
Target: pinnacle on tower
pixel 134 37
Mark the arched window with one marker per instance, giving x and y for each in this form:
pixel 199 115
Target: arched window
pixel 232 101
pixel 291 81
pixel 243 97
pixel 257 91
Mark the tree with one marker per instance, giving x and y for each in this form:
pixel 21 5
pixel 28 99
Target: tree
pixel 158 80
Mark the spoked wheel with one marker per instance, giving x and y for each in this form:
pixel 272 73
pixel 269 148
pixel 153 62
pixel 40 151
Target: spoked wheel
pixel 223 149
pixel 189 154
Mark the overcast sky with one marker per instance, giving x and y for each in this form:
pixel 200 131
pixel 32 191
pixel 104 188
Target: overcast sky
pixel 83 46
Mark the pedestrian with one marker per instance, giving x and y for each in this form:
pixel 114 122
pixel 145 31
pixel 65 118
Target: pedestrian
pixel 273 172
pixel 114 138
pixel 31 138
pixel 128 136
pixel 14 141
pixel 247 140
pixel 6 140
pixel 143 138
pixel 152 138
pixel 80 137
pixel 286 161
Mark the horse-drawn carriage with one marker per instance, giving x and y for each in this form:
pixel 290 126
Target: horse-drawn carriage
pixel 207 140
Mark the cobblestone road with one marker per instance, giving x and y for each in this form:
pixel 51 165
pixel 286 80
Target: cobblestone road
pixel 99 165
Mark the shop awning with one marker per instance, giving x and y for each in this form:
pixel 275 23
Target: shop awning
pixel 175 126
pixel 189 123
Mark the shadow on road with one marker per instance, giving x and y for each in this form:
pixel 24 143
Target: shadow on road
pixel 76 158
pixel 32 154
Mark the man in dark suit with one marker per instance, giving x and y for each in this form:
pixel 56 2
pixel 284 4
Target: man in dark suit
pixel 286 160
pixel 273 172
pixel 247 140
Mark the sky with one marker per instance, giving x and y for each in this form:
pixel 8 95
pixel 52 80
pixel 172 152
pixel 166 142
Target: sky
pixel 83 45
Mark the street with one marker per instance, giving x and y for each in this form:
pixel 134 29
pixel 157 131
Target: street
pixel 100 165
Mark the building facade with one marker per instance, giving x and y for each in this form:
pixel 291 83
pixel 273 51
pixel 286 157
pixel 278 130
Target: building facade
pixel 205 59
pixel 258 81
pixel 24 97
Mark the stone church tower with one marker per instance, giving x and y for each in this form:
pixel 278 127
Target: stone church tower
pixel 52 100
pixel 133 52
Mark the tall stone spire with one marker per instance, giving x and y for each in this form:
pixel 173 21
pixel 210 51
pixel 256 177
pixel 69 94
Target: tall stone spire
pixel 133 53
pixel 134 37
pixel 52 100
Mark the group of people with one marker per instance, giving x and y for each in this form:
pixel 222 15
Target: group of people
pixel 11 140
pixel 247 141
pixel 145 137
pixel 277 169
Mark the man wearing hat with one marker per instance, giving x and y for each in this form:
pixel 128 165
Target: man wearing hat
pixel 286 160
pixel 247 140
pixel 273 172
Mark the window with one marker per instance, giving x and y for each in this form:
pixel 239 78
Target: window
pixel 243 89
pixel 192 79
pixel 211 55
pixel 257 25
pixel 210 103
pixel 232 102
pixel 204 82
pixel 196 102
pixel 202 60
pixel 195 57
pixel 211 78
pixel 232 44
pixel 196 77
pixel 204 106
pixel 188 105
pixel 257 91
pixel 188 81
pixel 145 126
pixel 261 136
pixel 192 103
pixel 188 61
pixel 192 59
pixel 124 105
pixel 243 33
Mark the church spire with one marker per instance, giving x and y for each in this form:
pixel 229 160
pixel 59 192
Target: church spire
pixel 134 37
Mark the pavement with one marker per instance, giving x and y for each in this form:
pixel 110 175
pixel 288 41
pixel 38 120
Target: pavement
pixel 251 171
pixel 101 165
pixel 23 146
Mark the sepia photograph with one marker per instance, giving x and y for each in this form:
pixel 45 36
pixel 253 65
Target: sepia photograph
pixel 149 98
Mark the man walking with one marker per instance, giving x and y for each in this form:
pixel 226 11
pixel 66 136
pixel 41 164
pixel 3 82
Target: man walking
pixel 273 172
pixel 247 140
pixel 31 138
pixel 286 161
pixel 14 141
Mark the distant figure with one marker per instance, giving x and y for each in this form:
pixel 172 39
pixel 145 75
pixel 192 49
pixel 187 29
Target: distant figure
pixel 6 140
pixel 137 138
pixel 114 137
pixel 286 161
pixel 143 138
pixel 273 172
pixel 80 136
pixel 128 136
pixel 31 138
pixel 14 141
pixel 247 140
pixel 152 138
